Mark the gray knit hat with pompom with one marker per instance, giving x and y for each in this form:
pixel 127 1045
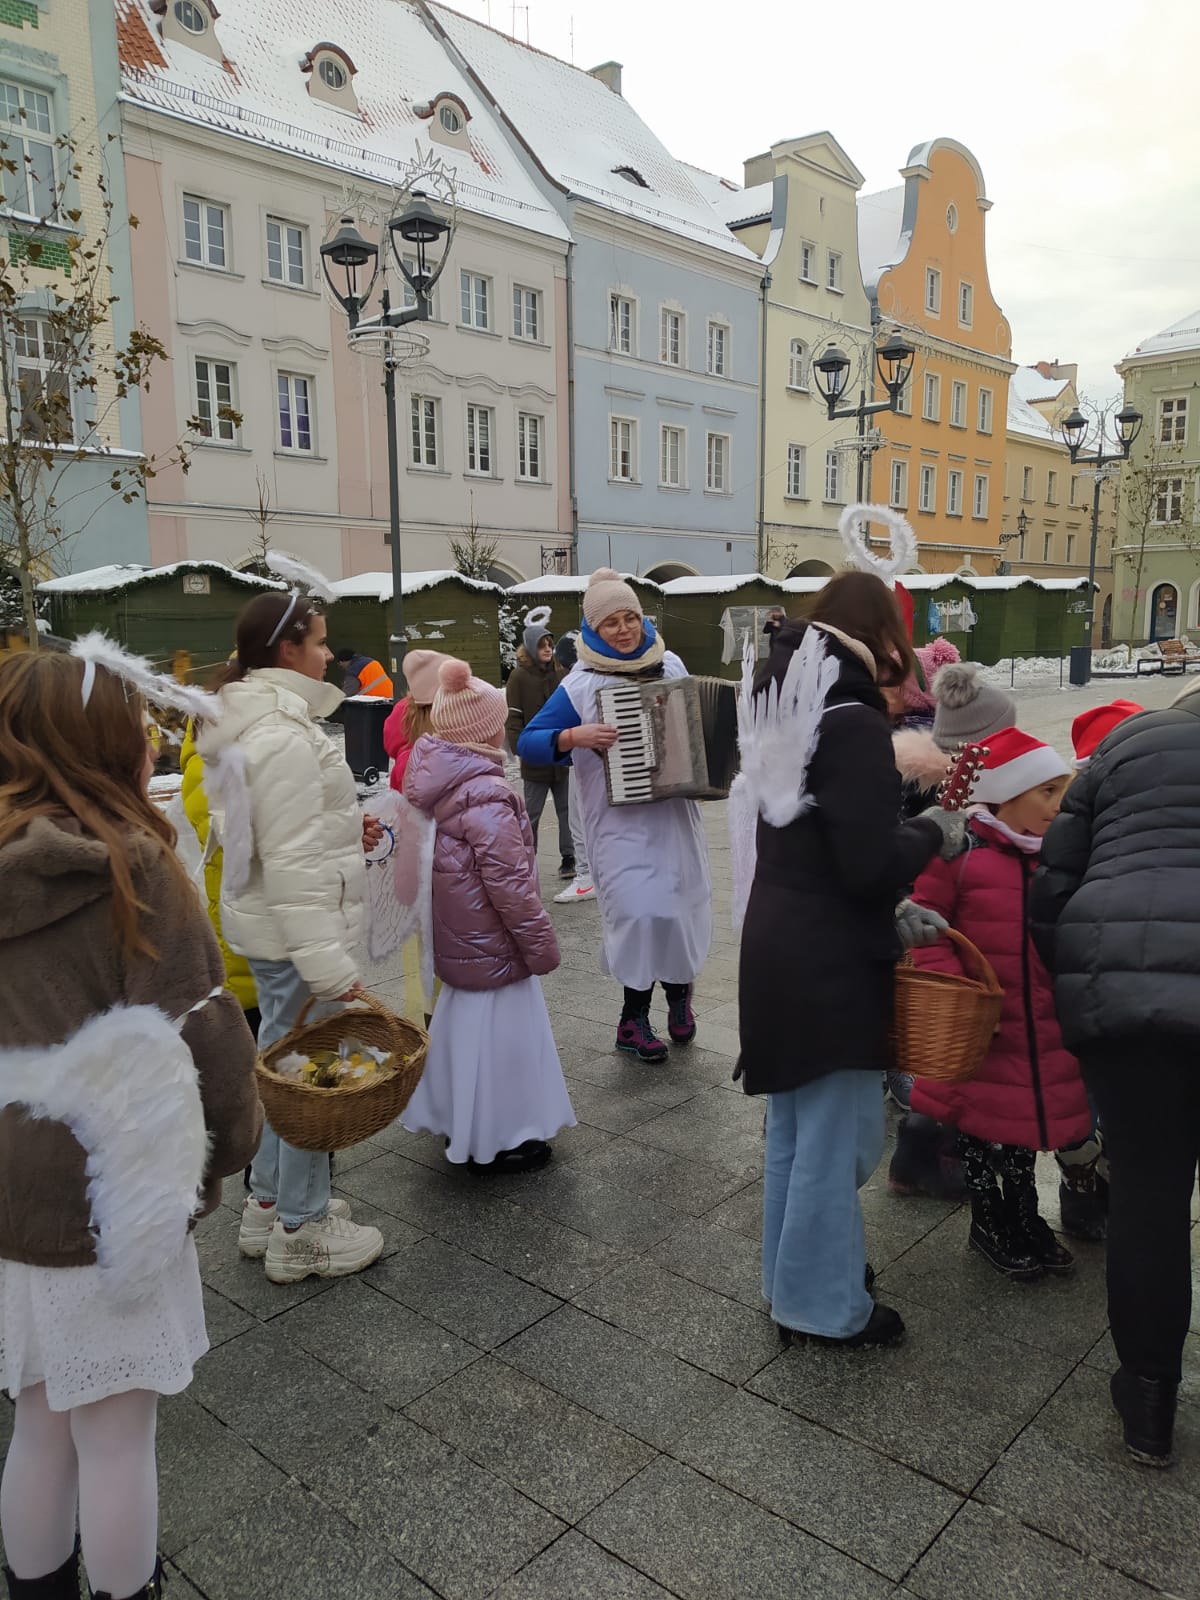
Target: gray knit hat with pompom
pixel 967 711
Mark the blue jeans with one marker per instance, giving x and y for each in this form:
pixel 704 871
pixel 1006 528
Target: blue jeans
pixel 823 1143
pixel 296 1181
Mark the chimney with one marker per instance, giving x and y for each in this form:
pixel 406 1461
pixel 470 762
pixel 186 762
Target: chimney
pixel 609 73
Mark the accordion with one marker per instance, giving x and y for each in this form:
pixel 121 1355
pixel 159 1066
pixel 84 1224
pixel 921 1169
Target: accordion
pixel 676 739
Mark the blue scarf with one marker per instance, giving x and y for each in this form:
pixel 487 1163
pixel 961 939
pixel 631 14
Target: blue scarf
pixel 600 647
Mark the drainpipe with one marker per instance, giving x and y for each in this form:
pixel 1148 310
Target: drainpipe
pixel 760 554
pixel 571 479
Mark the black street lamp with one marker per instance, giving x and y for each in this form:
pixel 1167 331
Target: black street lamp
pixel 1022 530
pixel 894 364
pixel 352 266
pixel 1074 429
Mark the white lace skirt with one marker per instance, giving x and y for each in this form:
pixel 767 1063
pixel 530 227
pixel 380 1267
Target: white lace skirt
pixel 58 1327
pixel 492 1078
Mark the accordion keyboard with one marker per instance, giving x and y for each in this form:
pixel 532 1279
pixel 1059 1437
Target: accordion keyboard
pixel 632 760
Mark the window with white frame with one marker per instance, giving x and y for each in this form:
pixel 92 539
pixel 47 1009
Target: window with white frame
pixel 1168 500
pixel 476 295
pixel 985 410
pixel 527 313
pixel 530 430
pixel 1047 546
pixel 1026 483
pixel 798 365
pixel 808 261
pixel 979 506
pixel 27 132
pixel 718 350
pixel 833 271
pixel 622 325
pixel 904 400
pixel 933 291
pixel 796 472
pixel 426 430
pixel 931 406
pixel 958 404
pixel 286 253
pixel 1052 488
pixel 43 364
pixel 205 232
pixel 293 393
pixel 833 477
pixel 670 337
pixel 480 421
pixel 672 454
pixel 928 500
pixel 954 493
pixel 966 305
pixel 1075 493
pixel 716 467
pixel 898 495
pixel 1172 421
pixel 216 392
pixel 622 436
pixel 1070 547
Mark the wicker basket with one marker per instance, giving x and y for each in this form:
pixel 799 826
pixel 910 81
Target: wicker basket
pixel 312 1118
pixel 943 1023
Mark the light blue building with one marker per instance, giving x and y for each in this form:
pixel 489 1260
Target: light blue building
pixel 663 319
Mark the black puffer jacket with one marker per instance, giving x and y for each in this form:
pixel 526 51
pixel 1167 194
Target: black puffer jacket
pixel 1116 903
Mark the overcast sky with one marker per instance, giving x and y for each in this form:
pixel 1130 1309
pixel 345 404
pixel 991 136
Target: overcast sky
pixel 1084 117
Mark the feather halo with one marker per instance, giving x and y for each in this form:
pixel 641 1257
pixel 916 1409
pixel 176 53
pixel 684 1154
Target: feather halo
pixel 852 525
pixel 101 651
pixel 537 617
pixel 305 578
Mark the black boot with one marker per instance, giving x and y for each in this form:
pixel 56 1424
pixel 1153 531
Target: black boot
pixel 149 1591
pixel 993 1235
pixel 884 1327
pixel 1021 1202
pixel 924 1161
pixel 1084 1212
pixel 1146 1407
pixel 60 1585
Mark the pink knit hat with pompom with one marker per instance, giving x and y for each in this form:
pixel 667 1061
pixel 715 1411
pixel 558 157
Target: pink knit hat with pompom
pixel 466 710
pixel 607 592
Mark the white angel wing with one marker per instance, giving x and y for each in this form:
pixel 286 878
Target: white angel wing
pixel 786 724
pixel 400 885
pixel 101 651
pixel 305 577
pixel 232 824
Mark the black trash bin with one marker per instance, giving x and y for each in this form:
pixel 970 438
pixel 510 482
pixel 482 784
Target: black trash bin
pixel 363 718
pixel 1081 665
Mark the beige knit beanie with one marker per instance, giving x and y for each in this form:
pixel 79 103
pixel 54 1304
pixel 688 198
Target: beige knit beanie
pixel 421 669
pixel 607 592
pixel 467 710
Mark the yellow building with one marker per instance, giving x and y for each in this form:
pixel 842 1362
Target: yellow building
pixel 924 264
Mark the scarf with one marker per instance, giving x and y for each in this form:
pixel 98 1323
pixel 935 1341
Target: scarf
pixel 1027 843
pixel 644 662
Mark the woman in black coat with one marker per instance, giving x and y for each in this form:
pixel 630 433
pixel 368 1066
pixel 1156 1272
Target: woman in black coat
pixel 819 947
pixel 1116 909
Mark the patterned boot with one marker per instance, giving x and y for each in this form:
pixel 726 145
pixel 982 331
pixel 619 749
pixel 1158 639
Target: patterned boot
pixel 1021 1204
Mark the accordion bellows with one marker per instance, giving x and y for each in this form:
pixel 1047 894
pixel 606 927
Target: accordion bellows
pixel 676 739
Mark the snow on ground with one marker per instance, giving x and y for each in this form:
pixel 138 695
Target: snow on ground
pixel 1026 671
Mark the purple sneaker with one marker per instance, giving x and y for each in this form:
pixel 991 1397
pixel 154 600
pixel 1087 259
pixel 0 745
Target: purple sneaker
pixel 637 1036
pixel 681 1023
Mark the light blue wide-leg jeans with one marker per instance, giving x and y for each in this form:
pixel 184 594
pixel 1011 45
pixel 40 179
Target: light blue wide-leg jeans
pixel 823 1143
pixel 296 1180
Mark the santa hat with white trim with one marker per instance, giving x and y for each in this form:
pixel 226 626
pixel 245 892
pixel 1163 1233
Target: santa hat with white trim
pixel 1015 762
pixel 1092 726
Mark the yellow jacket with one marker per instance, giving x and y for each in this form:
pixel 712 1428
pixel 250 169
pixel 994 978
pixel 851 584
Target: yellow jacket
pixel 195 805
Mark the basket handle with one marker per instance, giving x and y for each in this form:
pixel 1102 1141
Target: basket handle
pixel 365 999
pixel 984 970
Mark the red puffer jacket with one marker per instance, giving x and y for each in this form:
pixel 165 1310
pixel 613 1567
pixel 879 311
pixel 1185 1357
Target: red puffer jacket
pixel 490 927
pixel 1029 1090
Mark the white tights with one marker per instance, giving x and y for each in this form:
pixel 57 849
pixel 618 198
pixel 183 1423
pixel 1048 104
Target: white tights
pixel 97 1459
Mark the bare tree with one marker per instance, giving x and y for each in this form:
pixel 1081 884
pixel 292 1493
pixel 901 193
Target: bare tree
pixel 262 515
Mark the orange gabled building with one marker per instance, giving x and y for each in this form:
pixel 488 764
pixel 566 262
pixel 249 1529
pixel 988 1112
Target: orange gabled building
pixel 924 262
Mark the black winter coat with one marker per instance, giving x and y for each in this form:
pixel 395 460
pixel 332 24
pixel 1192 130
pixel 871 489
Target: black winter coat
pixel 819 943
pixel 1116 902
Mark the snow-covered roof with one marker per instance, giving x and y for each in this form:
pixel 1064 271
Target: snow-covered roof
pixel 552 583
pixel 584 134
pixel 747 205
pixel 715 189
pixel 726 584
pixel 262 94
pixel 378 585
pixel 880 241
pixel 1022 418
pixel 99 579
pixel 1032 385
pixel 1180 336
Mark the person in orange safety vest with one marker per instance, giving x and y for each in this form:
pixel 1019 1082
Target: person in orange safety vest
pixel 363 675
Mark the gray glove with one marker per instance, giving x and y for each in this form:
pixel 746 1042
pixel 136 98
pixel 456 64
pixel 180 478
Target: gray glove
pixel 918 926
pixel 953 825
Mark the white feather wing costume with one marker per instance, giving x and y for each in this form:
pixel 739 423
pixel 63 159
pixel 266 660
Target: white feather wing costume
pixel 400 885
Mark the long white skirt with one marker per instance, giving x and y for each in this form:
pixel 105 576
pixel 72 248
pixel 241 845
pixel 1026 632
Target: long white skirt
pixel 492 1078
pixel 58 1327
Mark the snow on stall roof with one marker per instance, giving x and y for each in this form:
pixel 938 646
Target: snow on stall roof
pixel 263 96
pixel 550 583
pixel 880 242
pixel 726 584
pixel 98 579
pixel 582 132
pixel 378 585
pixel 1180 336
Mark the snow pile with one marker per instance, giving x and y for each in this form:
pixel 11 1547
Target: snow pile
pixel 1025 672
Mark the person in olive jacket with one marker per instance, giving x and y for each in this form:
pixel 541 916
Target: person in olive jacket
pixel 530 684
pixel 1116 910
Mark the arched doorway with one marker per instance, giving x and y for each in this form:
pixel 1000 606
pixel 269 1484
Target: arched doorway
pixel 1106 622
pixel 504 576
pixel 1164 612
pixel 666 570
pixel 812 569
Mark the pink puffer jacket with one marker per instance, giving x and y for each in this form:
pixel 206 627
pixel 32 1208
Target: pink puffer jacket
pixel 490 927
pixel 396 745
pixel 1029 1090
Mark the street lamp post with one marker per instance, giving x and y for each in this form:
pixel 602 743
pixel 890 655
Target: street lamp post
pixel 893 361
pixel 358 262
pixel 1074 430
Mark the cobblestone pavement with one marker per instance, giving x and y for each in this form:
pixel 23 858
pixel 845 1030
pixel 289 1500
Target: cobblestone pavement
pixel 563 1386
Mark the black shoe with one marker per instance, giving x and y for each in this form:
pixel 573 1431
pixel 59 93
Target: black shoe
pixel 60 1585
pixel 924 1161
pixel 1083 1212
pixel 996 1240
pixel 527 1157
pixel 566 867
pixel 869 1278
pixel 150 1591
pixel 1034 1231
pixel 884 1327
pixel 1146 1407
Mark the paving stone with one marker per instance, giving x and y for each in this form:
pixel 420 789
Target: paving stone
pixel 578 1198
pixel 470 1297
pixel 708 1544
pixel 289 1546
pixel 667 1085
pixel 363 1334
pixel 535 1248
pixel 721 1260
pixel 895 1224
pixel 245 1282
pixel 875 1510
pixel 576 1569
pixel 649 1393
pixel 206 1472
pixel 690 1187
pixel 671 1313
pixel 573 1144
pixel 565 1458
pixel 684 1132
pixel 741 1212
pixel 424 1199
pixel 181 1589
pixel 459 1528
pixel 990 1556
pixel 607 1109
pixel 222 1318
pixel 727 1103
pixel 1103 1357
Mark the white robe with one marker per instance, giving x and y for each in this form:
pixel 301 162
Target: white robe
pixel 649 863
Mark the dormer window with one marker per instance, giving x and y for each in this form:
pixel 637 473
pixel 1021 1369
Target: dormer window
pixel 333 73
pixel 631 175
pixel 330 74
pixel 190 22
pixel 191 17
pixel 447 116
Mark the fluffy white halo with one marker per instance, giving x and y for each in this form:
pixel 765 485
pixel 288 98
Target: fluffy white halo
pixel 902 540
pixel 538 617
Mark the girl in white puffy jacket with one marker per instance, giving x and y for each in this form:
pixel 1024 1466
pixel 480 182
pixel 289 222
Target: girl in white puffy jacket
pixel 285 810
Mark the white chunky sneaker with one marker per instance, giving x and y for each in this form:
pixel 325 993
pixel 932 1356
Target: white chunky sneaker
pixel 257 1222
pixel 580 889
pixel 331 1247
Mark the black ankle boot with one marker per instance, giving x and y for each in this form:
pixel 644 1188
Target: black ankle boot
pixel 149 1591
pixel 1146 1407
pixel 1021 1203
pixel 1083 1212
pixel 60 1585
pixel 993 1235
